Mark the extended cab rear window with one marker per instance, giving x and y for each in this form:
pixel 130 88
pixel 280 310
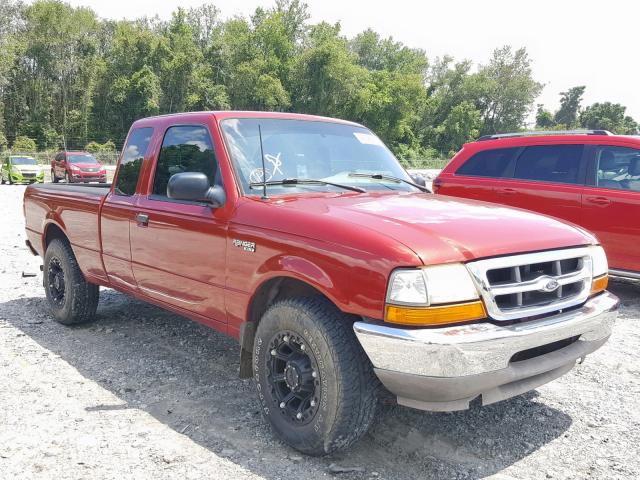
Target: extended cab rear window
pixel 131 162
pixel 489 163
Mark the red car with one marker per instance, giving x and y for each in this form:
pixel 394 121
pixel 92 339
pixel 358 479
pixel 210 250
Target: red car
pixel 306 240
pixel 77 167
pixel 590 178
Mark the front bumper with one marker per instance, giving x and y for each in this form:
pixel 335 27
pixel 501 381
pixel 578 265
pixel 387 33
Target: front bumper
pixel 445 368
pixel 17 177
pixel 86 177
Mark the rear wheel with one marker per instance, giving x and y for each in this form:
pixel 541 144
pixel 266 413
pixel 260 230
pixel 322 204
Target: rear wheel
pixel 71 298
pixel 316 385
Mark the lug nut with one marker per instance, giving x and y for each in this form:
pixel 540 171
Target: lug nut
pixel 282 405
pixel 285 338
pixel 302 347
pixel 299 416
pixel 314 374
pixel 273 352
pixel 313 403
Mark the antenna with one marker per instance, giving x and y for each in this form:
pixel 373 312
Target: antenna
pixel 264 171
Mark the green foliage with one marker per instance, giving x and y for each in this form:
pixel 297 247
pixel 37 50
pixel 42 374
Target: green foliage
pixel 507 90
pixel 3 142
pixel 70 79
pixel 570 102
pixel 544 118
pixel 609 116
pixel 95 147
pixel 24 144
pixel 599 116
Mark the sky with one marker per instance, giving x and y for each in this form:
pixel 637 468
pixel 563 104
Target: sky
pixel 570 42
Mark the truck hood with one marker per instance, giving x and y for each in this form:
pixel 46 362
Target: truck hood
pixel 444 229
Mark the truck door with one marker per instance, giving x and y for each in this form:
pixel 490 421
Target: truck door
pixel 119 209
pixel 178 247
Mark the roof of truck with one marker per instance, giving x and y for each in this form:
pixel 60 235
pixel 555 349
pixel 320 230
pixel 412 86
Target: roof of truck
pixel 225 114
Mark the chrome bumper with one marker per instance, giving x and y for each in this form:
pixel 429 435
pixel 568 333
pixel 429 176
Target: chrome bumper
pixel 445 368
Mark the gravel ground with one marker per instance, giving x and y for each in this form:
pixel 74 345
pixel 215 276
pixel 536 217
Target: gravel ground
pixel 142 393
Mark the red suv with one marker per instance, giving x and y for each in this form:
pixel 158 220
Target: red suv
pixel 77 167
pixel 590 178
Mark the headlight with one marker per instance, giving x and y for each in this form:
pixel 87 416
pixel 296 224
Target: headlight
pixel 433 295
pixel 426 286
pixel 599 262
pixel 600 269
pixel 408 287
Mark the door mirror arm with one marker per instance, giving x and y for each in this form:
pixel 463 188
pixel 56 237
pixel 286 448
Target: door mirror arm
pixel 215 196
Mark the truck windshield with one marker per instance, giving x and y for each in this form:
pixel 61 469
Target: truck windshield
pixel 81 159
pixel 309 150
pixel 23 161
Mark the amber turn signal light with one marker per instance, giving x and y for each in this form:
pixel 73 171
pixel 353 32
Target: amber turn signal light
pixel 438 315
pixel 599 284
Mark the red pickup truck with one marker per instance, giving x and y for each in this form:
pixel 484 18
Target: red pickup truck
pixel 342 279
pixel 588 177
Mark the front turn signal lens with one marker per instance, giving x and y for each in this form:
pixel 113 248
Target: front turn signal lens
pixel 436 315
pixel 599 284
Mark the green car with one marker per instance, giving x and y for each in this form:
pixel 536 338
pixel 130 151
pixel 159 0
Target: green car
pixel 21 169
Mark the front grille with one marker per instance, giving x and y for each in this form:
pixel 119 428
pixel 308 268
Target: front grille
pixel 532 284
pixel 28 175
pixel 89 169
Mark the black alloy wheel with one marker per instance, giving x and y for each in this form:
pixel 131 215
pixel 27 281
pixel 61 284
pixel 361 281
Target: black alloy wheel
pixel 55 281
pixel 293 377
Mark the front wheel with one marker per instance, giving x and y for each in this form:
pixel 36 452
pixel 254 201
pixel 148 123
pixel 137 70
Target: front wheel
pixel 71 298
pixel 54 179
pixel 68 177
pixel 316 385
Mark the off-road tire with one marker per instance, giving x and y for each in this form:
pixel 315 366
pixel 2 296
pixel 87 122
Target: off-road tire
pixel 80 299
pixel 348 387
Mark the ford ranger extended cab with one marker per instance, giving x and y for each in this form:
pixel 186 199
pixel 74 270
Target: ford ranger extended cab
pixel 342 279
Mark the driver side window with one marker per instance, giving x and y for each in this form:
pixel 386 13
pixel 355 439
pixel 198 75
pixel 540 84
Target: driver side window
pixel 185 148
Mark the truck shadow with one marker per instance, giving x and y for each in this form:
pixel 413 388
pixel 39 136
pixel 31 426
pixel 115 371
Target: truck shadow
pixel 185 376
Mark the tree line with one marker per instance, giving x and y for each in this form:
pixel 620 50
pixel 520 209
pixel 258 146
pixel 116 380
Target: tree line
pixel 70 79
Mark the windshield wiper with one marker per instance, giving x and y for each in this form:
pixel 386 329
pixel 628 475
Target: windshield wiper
pixel 380 176
pixel 306 181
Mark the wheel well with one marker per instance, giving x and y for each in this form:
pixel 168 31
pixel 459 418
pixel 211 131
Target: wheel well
pixel 53 231
pixel 268 293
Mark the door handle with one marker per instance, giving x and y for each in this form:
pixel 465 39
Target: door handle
pixel 599 200
pixel 142 219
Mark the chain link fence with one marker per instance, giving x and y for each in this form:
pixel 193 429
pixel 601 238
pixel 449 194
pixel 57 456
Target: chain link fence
pixel 45 158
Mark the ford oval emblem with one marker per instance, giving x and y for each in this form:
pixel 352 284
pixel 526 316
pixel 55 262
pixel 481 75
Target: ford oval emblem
pixel 551 285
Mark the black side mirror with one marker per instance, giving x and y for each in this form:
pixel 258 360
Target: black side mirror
pixel 418 180
pixel 195 187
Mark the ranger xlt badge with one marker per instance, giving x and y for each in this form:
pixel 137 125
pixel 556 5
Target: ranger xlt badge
pixel 245 245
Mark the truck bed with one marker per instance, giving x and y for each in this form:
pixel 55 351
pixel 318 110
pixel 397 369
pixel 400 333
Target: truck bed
pixel 100 189
pixel 73 209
